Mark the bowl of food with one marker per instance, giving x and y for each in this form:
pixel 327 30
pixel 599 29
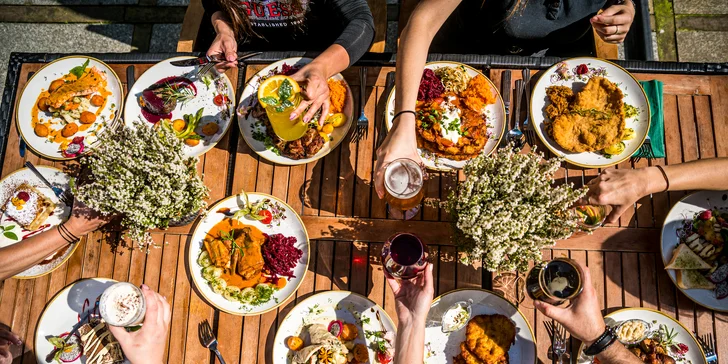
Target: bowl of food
pixel 633 331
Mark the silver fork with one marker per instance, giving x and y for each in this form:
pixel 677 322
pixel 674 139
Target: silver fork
pixel 204 70
pixel 558 339
pixel 527 127
pixel 62 195
pixel 362 125
pixel 708 345
pixel 208 339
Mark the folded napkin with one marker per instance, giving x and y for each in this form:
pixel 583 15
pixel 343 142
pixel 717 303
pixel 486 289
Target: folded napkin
pixel 653 90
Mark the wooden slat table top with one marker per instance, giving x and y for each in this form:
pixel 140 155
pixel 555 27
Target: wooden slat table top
pixel 347 224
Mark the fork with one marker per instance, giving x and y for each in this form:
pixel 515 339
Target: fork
pixel 646 150
pixel 558 339
pixel 527 127
pixel 362 125
pixel 62 195
pixel 208 340
pixel 708 345
pixel 204 70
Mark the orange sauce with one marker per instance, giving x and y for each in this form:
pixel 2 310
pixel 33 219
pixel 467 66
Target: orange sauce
pixel 103 92
pixel 232 278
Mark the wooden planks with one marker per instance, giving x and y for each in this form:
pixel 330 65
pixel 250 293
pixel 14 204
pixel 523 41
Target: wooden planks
pixel 347 224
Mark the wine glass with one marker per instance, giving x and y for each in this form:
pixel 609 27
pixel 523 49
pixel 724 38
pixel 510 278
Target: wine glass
pixel 403 256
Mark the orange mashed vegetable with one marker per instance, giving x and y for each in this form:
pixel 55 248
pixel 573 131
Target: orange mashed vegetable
pixel 337 96
pixel 478 94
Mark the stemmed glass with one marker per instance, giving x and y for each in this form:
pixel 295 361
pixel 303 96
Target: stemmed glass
pixel 404 256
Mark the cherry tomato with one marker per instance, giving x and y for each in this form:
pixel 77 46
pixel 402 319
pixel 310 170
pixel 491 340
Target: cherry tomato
pixel 220 100
pixel 268 217
pixel 383 358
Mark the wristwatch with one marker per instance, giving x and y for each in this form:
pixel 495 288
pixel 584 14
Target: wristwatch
pixel 601 343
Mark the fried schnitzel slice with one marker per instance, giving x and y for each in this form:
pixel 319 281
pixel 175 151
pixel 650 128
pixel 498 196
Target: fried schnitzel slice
pixel 489 337
pixel 466 357
pixel 560 97
pixel 593 121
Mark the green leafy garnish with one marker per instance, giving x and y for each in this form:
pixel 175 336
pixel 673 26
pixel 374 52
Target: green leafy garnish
pixel 79 70
pixel 250 210
pixel 270 101
pixel 285 90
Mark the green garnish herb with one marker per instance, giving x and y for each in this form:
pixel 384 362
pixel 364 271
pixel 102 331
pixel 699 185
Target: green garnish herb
pixel 79 70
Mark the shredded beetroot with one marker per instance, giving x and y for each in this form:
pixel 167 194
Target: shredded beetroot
pixel 288 70
pixel 280 255
pixel 430 86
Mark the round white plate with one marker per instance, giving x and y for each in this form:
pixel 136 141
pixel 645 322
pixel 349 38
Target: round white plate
pixel 63 312
pixel 695 354
pixel 11 232
pixel 441 348
pixel 40 82
pixel 324 307
pixel 684 210
pixel 290 226
pixel 250 97
pixel 222 115
pixel 633 95
pixel 496 117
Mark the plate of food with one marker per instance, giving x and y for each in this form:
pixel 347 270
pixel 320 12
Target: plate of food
pixel 28 208
pixel 317 141
pixel 460 114
pixel 694 238
pixel 66 105
pixel 335 327
pixel 249 254
pixel 476 325
pixel 652 336
pixel 591 112
pixel 93 343
pixel 198 108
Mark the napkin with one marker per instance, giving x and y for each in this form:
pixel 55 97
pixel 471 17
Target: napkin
pixel 653 90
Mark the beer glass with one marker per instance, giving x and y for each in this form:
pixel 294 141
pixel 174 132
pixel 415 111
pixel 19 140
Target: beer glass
pixel 403 184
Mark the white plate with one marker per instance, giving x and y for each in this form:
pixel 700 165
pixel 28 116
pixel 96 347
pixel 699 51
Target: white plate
pixel 443 347
pixel 222 115
pixel 324 307
pixel 290 226
pixel 11 229
pixel 250 97
pixel 695 354
pixel 63 311
pixel 633 95
pixel 41 80
pixel 496 117
pixel 686 209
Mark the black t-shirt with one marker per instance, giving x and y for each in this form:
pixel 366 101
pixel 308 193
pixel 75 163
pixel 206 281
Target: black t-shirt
pixel 322 23
pixel 479 27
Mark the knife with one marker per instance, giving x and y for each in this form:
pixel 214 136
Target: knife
pixel 57 191
pixel 130 79
pixel 21 145
pixel 76 327
pixel 201 61
pixel 506 92
pixel 389 84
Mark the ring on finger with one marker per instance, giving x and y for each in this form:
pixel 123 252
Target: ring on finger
pixel 616 31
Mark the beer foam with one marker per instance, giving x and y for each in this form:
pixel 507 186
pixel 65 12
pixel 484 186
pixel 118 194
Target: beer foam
pixel 403 179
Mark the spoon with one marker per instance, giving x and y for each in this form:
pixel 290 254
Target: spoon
pixel 515 136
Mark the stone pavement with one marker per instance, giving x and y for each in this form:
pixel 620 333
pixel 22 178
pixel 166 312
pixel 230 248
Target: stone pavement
pixel 684 30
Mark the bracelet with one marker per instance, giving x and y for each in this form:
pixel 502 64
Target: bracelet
pixel 667 181
pixel 403 112
pixel 67 235
pixel 601 343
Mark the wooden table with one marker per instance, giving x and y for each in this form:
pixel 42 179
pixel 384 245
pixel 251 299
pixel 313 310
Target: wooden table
pixel 347 224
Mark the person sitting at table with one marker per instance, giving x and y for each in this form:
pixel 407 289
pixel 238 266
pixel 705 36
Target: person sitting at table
pixel 412 303
pixel 342 29
pixel 487 27
pixel 621 188
pixel 31 251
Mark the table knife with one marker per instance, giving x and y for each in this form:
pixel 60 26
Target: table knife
pixel 201 61
pixel 21 145
pixel 389 84
pixel 506 93
pixel 130 79
pixel 57 191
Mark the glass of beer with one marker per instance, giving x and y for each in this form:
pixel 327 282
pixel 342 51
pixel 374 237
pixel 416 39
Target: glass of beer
pixel 555 282
pixel 403 256
pixel 403 184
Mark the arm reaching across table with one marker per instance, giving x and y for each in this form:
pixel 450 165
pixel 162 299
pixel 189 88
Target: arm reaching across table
pixel 413 299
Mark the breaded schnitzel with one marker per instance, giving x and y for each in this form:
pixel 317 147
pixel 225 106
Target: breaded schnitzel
pixel 594 119
pixel 487 340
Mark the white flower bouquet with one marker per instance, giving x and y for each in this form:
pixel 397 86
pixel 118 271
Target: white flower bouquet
pixel 508 209
pixel 142 175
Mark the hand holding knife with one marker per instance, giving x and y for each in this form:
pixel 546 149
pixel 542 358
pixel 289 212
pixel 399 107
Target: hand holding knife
pixel 215 58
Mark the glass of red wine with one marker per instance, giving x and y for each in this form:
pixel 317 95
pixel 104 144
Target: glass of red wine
pixel 403 256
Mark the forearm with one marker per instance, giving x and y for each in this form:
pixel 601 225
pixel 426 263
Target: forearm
pixel 410 345
pixel 358 34
pixel 221 23
pixel 411 58
pixel 333 60
pixel 29 252
pixel 617 354
pixel 704 174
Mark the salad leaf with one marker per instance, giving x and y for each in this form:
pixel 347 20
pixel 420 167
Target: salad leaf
pixel 250 210
pixel 10 235
pixel 79 70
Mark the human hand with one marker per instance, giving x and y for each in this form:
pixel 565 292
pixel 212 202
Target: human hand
pixel 7 338
pixel 621 188
pixel 146 345
pixel 224 45
pixel 399 143
pixel 315 91
pixel 84 219
pixel 614 22
pixel 412 297
pixel 583 319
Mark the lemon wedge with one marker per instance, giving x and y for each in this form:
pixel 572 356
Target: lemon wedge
pixel 337 119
